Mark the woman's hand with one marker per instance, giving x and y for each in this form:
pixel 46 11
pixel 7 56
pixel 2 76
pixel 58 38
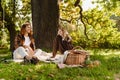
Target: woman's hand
pixel 31 52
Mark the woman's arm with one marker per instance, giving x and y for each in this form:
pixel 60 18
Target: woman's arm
pixel 69 39
pixel 30 50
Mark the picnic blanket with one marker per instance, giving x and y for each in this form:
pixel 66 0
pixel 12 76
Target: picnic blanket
pixel 46 57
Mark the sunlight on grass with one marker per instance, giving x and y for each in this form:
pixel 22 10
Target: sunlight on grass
pixel 3 55
pixel 109 69
pixel 104 51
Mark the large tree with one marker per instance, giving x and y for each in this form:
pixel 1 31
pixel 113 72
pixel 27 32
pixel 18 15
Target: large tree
pixel 45 17
pixel 9 24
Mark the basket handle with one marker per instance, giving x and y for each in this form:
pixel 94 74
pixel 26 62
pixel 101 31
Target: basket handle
pixel 77 47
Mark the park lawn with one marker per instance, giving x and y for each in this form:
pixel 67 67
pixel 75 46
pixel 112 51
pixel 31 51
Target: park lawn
pixel 109 69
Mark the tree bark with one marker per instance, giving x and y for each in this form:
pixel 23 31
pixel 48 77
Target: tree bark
pixel 12 32
pixel 10 26
pixel 45 18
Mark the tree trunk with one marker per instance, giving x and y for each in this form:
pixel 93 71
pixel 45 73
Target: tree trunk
pixel 10 26
pixel 12 32
pixel 45 18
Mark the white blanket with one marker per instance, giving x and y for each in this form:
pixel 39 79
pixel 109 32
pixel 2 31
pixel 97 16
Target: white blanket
pixel 46 57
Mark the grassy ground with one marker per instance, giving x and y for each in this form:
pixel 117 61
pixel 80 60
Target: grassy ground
pixel 109 69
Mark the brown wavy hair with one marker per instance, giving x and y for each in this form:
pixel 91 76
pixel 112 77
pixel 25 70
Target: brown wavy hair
pixel 23 29
pixel 22 32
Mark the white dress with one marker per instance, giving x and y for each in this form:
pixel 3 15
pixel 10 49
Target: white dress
pixel 21 52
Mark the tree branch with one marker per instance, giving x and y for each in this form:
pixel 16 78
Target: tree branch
pixel 69 21
pixel 77 3
pixel 81 16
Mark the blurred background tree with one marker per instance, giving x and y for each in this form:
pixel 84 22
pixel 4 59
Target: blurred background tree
pixel 97 28
pixel 100 28
pixel 13 14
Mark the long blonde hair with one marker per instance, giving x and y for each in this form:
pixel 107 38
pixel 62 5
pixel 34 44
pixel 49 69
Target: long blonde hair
pixel 65 35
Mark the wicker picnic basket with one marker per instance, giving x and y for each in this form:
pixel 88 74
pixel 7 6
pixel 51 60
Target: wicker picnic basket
pixel 77 56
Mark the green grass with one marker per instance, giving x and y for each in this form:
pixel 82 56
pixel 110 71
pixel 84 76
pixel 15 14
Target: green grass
pixel 109 69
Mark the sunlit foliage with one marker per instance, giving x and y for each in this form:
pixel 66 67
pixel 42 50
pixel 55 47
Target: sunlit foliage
pixel 102 22
pixel 100 27
pixel 18 11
